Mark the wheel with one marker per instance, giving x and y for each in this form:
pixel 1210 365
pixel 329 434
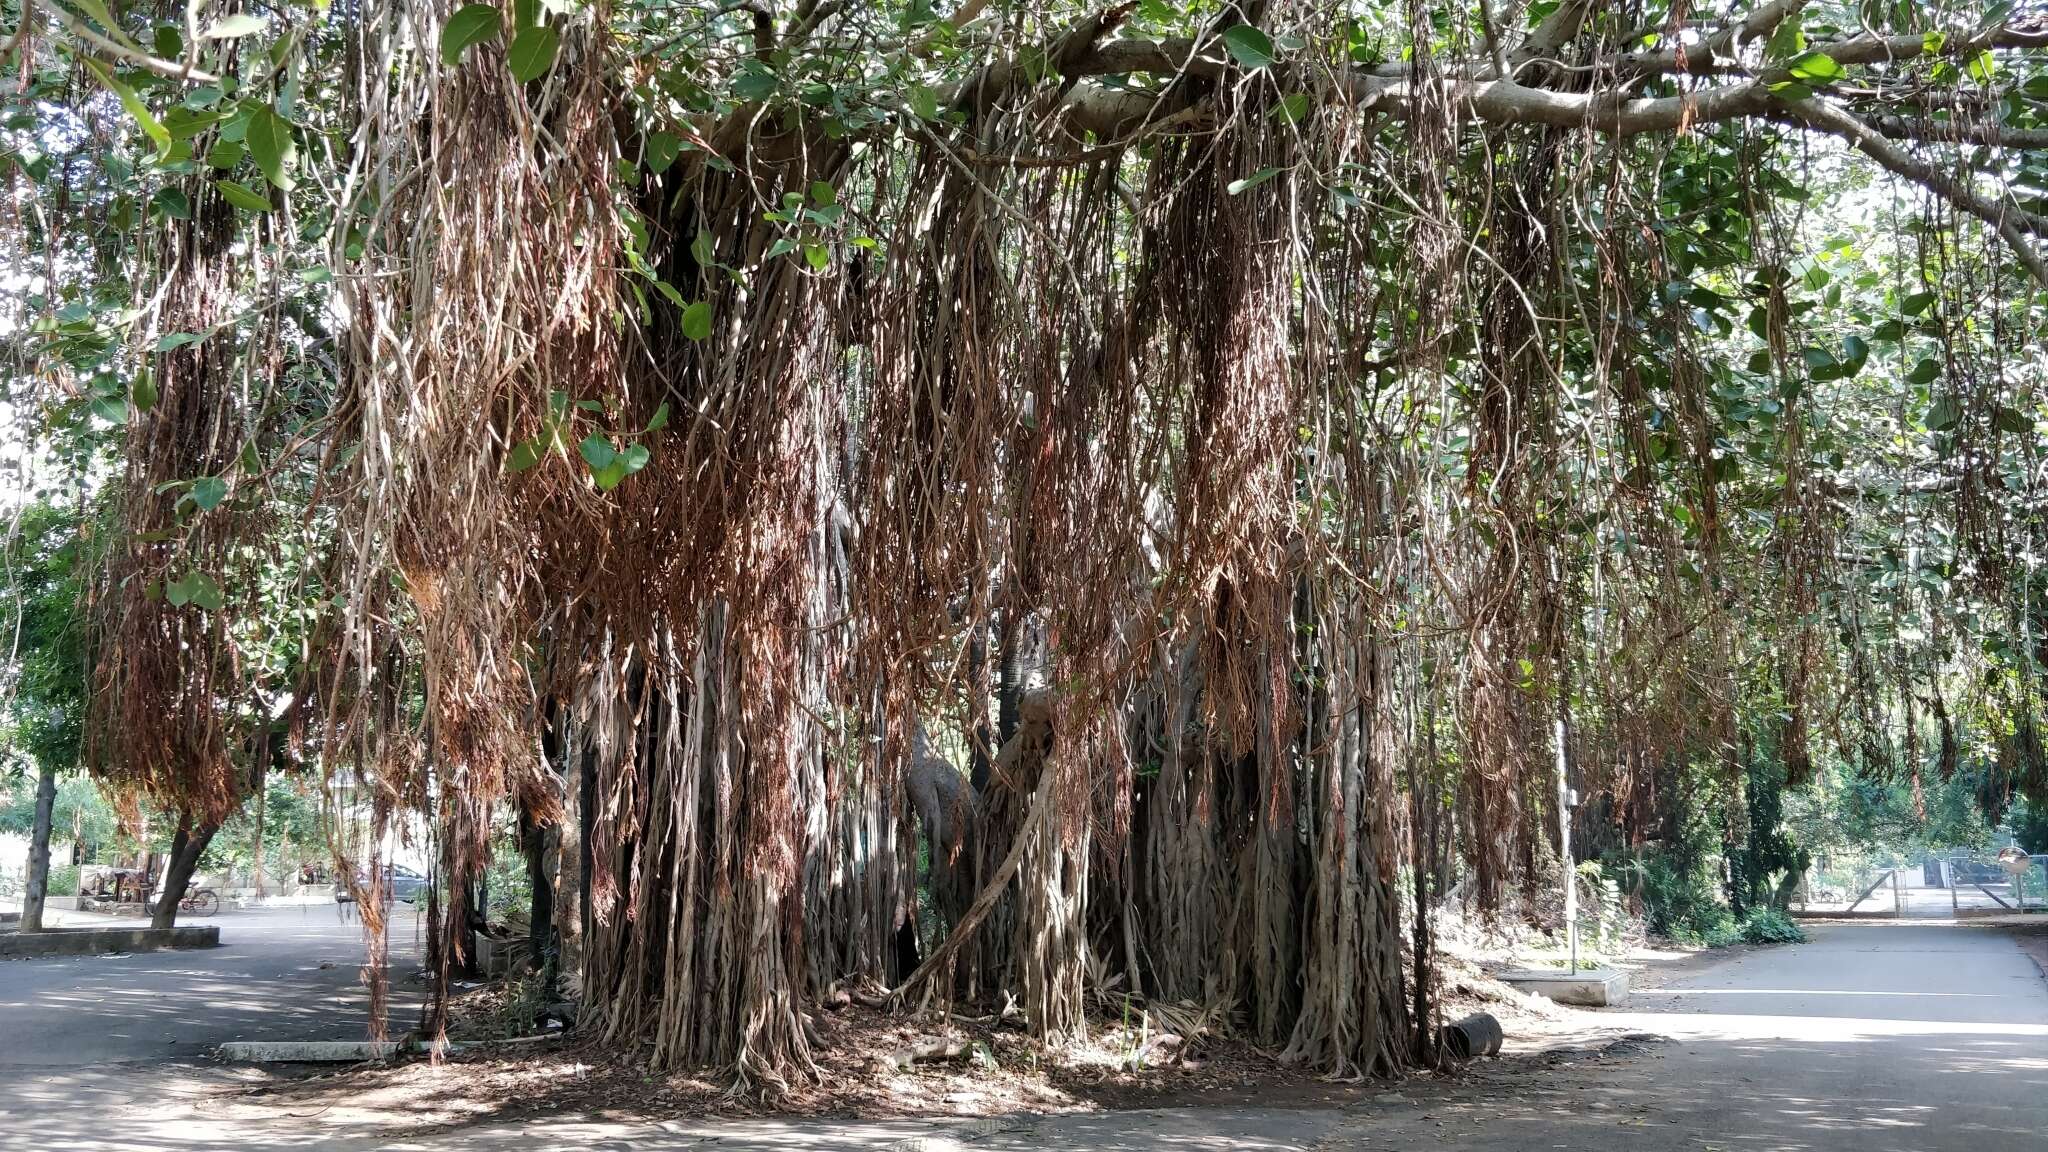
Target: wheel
pixel 206 903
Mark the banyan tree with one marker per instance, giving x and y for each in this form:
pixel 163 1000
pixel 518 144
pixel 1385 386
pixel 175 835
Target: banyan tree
pixel 1036 505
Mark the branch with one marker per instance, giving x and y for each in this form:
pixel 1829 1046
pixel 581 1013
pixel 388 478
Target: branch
pixel 1821 116
pixel 142 60
pixel 1958 132
pixel 1705 58
pixel 1713 57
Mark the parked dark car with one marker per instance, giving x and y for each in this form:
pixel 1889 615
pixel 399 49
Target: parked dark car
pixel 400 883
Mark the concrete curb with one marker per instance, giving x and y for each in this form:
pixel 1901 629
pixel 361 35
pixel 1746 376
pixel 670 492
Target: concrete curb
pixel 93 941
pixel 1590 987
pixel 311 1051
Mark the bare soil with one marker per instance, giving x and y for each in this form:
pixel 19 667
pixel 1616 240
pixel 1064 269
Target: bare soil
pixel 860 1073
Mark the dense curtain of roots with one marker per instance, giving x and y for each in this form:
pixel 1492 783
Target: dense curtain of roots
pixel 1136 480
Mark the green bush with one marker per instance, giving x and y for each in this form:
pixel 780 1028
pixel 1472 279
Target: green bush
pixel 63 881
pixel 1770 926
pixel 1679 897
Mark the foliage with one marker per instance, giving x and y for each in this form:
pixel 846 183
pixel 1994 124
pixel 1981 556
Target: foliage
pixel 63 880
pixel 1771 926
pixel 292 833
pixel 80 813
pixel 1681 897
pixel 42 710
pixel 2028 823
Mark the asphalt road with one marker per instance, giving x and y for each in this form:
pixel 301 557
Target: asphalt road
pixel 279 974
pixel 108 1052
pixel 1908 1037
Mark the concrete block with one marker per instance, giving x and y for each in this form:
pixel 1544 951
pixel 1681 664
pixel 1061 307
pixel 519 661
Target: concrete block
pixel 1589 987
pixel 308 1051
pixel 91 941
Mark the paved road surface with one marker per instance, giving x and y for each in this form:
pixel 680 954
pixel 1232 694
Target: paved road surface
pixel 1874 1038
pixel 87 1043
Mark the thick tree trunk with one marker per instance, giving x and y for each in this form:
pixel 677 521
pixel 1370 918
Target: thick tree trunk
pixel 186 848
pixel 572 852
pixel 534 839
pixel 256 849
pixel 39 851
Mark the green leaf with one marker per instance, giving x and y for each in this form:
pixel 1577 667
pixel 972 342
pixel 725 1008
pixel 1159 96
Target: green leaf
pixel 524 455
pixel 1944 415
pixel 205 593
pixel 173 202
pixel 754 82
pixel 151 126
pixel 1917 303
pixel 235 27
pixel 243 196
pixel 113 409
pixel 923 101
pixel 608 477
pixel 596 450
pixel 1925 372
pixel 533 52
pixel 697 320
pixel 1817 68
pixel 250 461
pixel 1252 48
pixel 659 420
pixel 196 588
pixel 143 393
pixel 635 457
pixel 1788 39
pixel 170 44
pixel 269 137
pixel 208 492
pixel 224 154
pixel 704 250
pixel 98 11
pixel 824 193
pixel 817 255
pixel 1983 68
pixel 471 24
pixel 2013 420
pixel 171 340
pixel 1293 107
pixel 1252 181
pixel 662 149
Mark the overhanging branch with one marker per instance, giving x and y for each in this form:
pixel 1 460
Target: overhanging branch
pixel 1824 117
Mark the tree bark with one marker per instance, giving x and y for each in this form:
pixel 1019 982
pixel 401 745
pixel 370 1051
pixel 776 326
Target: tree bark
pixel 257 848
pixel 39 851
pixel 186 848
pixel 540 932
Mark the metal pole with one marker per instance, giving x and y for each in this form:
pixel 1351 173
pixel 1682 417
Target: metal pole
pixel 1564 840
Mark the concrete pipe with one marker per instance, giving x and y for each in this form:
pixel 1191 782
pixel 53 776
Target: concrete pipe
pixel 1475 1035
